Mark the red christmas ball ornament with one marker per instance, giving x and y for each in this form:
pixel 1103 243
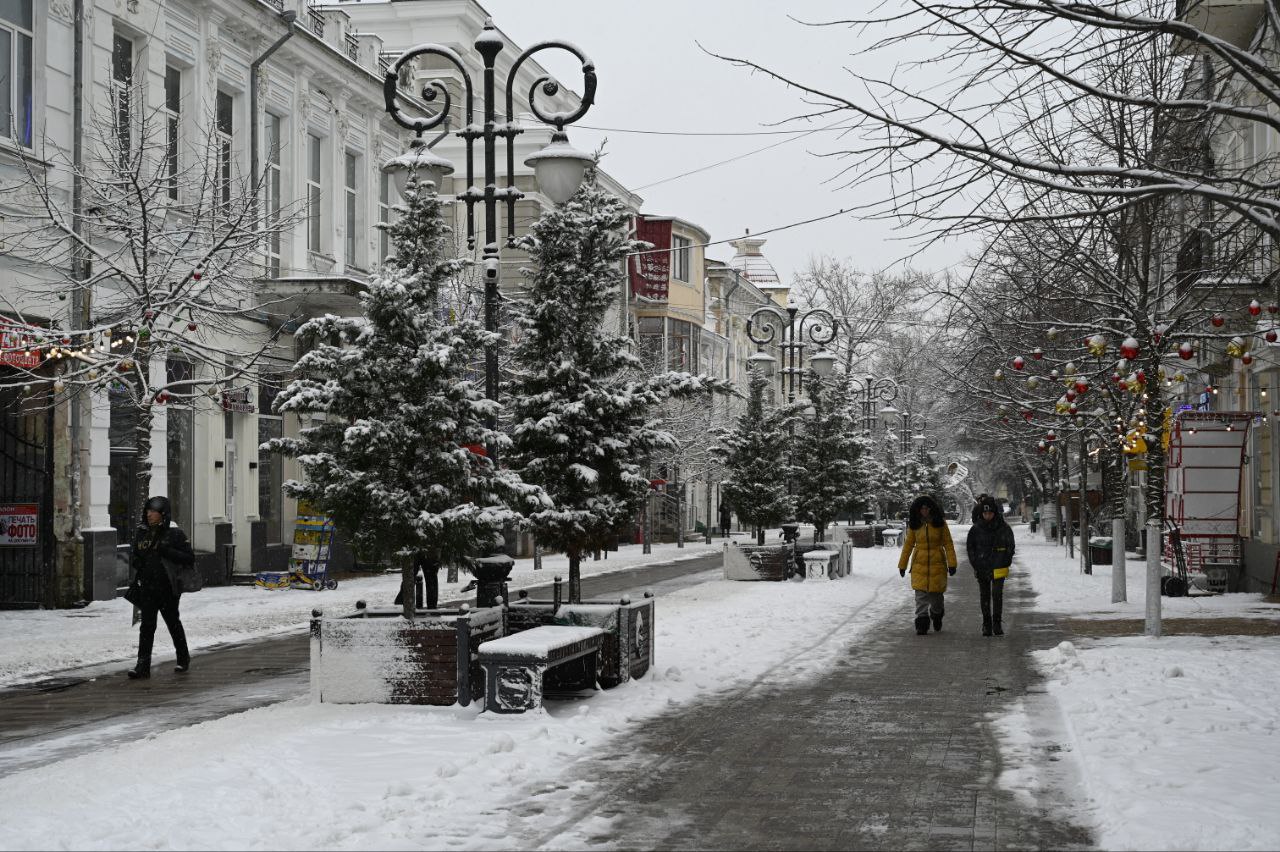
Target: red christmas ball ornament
pixel 1117 378
pixel 1037 353
pixel 1218 320
pixel 1157 333
pixel 1255 308
pixel 191 326
pixel 1246 359
pixel 66 341
pixel 150 315
pixel 1273 308
pixel 1270 336
pixel 162 397
pixel 1081 386
pixel 1141 376
pixel 1019 363
pixel 1051 437
pixel 1070 395
pixel 1186 351
pixel 1129 348
pixel 1072 409
pixel 1042 446
pixel 1027 415
pixel 197 274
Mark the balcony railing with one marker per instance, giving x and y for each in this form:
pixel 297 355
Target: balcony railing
pixel 317 21
pixel 1234 255
pixel 353 47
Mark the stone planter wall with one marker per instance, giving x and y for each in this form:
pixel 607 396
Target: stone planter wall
pixel 375 656
pixel 757 562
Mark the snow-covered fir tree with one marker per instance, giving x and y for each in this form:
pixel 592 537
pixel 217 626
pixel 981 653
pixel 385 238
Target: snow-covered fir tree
pixel 755 459
pixel 399 457
pixel 824 454
pixel 582 415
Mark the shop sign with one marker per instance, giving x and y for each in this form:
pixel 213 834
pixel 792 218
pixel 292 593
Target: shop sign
pixel 238 399
pixel 19 524
pixel 17 345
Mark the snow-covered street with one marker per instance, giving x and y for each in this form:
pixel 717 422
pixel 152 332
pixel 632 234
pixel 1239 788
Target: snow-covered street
pixel 1162 732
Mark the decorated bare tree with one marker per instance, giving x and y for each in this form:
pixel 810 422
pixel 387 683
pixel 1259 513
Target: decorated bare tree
pixel 1133 116
pixel 582 416
pixel 140 285
pixel 400 457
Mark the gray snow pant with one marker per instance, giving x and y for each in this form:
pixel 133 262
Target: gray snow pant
pixel 928 604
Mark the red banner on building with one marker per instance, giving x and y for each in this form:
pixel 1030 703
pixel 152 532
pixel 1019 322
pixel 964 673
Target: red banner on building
pixel 651 269
pixel 16 345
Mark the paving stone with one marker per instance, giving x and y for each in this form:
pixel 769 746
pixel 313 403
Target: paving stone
pixel 890 749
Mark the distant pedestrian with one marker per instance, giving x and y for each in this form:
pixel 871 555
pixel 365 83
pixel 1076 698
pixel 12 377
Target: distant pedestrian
pixel 990 547
pixel 932 556
pixel 160 550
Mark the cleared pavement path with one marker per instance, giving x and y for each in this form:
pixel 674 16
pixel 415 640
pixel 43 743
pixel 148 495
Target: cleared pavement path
pixel 891 749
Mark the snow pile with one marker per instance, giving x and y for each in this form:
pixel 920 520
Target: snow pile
pixel 1175 737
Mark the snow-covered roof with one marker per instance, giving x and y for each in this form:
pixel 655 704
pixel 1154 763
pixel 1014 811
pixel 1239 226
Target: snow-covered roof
pixel 753 265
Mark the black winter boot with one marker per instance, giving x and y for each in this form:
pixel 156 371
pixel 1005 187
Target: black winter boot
pixel 922 625
pixel 986 627
pixel 937 624
pixel 996 628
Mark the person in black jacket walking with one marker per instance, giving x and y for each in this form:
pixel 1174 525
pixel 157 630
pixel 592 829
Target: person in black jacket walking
pixel 159 548
pixel 990 547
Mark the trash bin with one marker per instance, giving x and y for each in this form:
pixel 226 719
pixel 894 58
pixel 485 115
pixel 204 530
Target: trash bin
pixel 1100 550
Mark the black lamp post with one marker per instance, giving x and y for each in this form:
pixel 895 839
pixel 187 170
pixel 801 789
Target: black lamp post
pixel 558 168
pixel 790 328
pixel 867 391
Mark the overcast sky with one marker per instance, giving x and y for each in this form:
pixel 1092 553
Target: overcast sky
pixel 654 76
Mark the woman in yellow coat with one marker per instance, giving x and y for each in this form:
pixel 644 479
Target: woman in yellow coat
pixel 933 558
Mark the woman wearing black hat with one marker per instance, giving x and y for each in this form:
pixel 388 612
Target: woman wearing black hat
pixel 159 550
pixel 990 547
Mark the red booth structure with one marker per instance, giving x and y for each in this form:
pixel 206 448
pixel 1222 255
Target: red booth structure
pixel 1205 472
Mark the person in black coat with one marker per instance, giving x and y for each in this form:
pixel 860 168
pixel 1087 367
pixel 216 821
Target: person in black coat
pixel 159 548
pixel 990 547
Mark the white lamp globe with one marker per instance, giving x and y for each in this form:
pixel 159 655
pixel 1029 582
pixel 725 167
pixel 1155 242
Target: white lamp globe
pixel 420 160
pixel 559 168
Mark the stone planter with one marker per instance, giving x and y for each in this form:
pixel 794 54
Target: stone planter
pixel 757 562
pixel 375 656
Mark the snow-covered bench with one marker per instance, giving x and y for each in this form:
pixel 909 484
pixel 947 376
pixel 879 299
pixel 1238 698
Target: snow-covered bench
pixel 514 665
pixel 892 537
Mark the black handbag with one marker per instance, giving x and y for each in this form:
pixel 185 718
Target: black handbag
pixel 189 579
pixel 133 594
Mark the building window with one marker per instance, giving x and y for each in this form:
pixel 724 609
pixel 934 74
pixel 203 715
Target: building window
pixel 270 465
pixel 274 126
pixel 384 217
pixel 679 339
pixel 123 466
pixel 122 97
pixel 16 71
pixel 313 192
pixel 650 333
pixel 680 258
pixel 173 125
pixel 180 444
pixel 351 198
pixel 226 136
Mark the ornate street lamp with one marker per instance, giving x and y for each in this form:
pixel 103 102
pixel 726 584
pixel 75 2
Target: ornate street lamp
pixel 558 168
pixel 868 390
pixel 790 329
